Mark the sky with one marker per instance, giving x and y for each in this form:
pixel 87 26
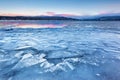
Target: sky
pixel 58 7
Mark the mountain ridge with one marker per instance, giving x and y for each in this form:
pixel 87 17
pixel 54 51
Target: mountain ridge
pixel 36 18
pixel 90 18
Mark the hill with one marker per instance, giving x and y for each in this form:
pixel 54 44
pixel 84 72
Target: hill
pixel 35 18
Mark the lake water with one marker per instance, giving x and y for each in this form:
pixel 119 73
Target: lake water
pixel 59 50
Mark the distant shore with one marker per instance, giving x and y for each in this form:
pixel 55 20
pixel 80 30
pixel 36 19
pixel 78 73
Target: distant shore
pixel 104 18
pixel 36 18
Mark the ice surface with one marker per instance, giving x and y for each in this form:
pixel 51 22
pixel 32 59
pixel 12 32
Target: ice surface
pixel 77 51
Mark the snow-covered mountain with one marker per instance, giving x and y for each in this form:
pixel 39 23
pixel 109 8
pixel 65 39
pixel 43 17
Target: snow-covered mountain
pixel 96 16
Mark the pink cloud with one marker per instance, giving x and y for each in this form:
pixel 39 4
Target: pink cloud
pixel 103 12
pixel 67 15
pixel 56 14
pixel 50 13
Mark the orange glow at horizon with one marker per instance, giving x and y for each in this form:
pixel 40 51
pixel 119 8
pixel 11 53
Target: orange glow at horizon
pixel 53 14
pixel 37 14
pixel 12 14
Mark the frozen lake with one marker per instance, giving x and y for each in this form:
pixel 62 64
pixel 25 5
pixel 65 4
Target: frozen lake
pixel 59 50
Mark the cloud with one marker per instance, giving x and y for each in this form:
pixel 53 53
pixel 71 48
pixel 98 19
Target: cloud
pixel 67 15
pixel 11 14
pixel 57 14
pixel 50 13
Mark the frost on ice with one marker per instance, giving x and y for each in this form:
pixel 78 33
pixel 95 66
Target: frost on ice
pixel 77 51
